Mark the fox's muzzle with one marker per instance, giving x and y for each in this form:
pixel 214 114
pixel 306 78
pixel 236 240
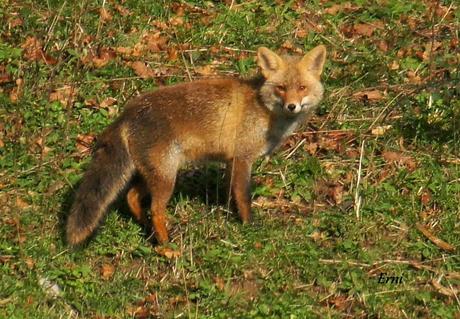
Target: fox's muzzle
pixel 292 108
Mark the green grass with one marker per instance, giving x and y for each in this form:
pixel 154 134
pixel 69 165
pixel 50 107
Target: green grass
pixel 307 254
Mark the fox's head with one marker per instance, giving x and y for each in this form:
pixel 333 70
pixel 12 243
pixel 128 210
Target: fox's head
pixel 292 84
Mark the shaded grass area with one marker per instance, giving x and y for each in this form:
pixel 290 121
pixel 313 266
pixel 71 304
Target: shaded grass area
pixel 334 209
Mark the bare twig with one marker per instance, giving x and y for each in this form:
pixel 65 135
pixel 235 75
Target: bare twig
pixel 357 196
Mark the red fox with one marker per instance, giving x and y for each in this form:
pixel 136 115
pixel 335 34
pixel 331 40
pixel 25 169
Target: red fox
pixel 224 119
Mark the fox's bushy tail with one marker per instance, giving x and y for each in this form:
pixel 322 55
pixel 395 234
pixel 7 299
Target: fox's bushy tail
pixel 108 173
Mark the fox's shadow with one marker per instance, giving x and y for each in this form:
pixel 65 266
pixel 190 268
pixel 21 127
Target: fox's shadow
pixel 204 183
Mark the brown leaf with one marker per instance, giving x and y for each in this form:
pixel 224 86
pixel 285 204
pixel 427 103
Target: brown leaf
pixel 311 148
pixel 394 66
pixel 435 240
pixel 413 78
pixel 30 262
pixel 345 7
pixel 84 143
pixel 258 245
pixel 380 130
pixel 104 57
pixel 122 10
pixel 317 236
pixel 15 22
pixel 90 102
pixel 204 70
pixel 139 312
pixel 372 95
pixel 391 156
pixel 108 102
pixel 339 302
pixel 220 283
pixel 124 51
pixel 105 14
pixel 155 42
pixel 334 9
pixel 175 21
pixel 66 95
pixel 363 29
pixel 336 193
pixel 14 95
pixel 107 271
pixel 167 252
pixel 425 197
pixel 142 70
pixel 382 45
pixel 32 49
pixel 400 158
pixel 22 204
pixel 172 54
pixel 4 75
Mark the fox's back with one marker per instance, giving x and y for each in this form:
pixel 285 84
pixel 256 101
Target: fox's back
pixel 204 118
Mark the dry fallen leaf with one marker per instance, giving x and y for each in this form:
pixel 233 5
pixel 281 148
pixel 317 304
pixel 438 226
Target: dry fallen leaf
pixel 105 56
pixel 425 197
pixel 380 130
pixel 155 42
pixel 108 102
pixel 400 158
pixel 371 95
pixel 336 193
pixel 220 283
pixel 16 92
pixel 33 51
pixel 414 78
pixel 317 236
pixel 15 22
pixel 105 14
pixel 4 75
pixel 382 45
pixel 66 95
pixel 122 10
pixel 394 66
pixel 142 70
pixel 22 204
pixel 346 7
pixel 167 252
pixel 364 29
pixel 205 70
pixel 84 144
pixel 107 271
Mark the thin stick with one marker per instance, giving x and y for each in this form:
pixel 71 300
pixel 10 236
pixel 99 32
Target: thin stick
pixel 357 197
pixel 384 109
pixel 296 148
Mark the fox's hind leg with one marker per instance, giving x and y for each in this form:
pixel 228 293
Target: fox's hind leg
pixel 135 196
pixel 239 176
pixel 161 188
pixel 159 173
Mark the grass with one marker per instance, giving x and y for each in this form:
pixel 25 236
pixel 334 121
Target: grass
pixel 391 118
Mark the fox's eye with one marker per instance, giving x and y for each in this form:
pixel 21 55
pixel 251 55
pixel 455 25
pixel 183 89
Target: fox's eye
pixel 301 88
pixel 281 88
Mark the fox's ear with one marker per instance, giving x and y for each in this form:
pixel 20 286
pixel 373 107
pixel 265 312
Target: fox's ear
pixel 268 61
pixel 314 60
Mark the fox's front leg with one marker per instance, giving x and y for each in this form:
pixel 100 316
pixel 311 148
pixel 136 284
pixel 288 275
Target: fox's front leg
pixel 239 176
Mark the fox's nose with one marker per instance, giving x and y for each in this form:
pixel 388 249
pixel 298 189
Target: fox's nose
pixel 291 107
